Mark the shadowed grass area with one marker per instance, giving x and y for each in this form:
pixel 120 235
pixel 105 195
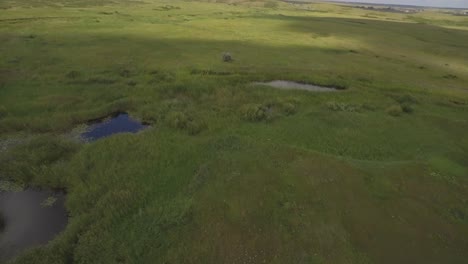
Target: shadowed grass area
pixel 230 171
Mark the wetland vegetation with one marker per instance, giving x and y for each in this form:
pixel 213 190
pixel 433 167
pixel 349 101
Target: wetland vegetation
pixel 228 171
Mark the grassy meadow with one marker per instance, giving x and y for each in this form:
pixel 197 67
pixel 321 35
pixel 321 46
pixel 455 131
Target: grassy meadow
pixel 232 172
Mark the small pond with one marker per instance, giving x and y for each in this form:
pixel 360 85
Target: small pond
pixel 290 85
pixel 29 218
pixel 119 123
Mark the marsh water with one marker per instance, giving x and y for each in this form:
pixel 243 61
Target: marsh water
pixel 31 218
pixel 290 85
pixel 119 123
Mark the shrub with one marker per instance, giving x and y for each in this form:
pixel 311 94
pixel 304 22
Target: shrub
pixel 407 108
pixel 289 108
pixel 343 107
pixel 394 110
pixel 227 57
pixel 254 112
pixel 269 110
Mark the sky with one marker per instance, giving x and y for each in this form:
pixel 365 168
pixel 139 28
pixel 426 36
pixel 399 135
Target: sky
pixel 437 3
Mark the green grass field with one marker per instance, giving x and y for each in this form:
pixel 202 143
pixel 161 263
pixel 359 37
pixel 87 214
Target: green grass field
pixel 231 172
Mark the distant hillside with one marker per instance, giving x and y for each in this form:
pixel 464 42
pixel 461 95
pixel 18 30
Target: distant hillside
pixel 5 4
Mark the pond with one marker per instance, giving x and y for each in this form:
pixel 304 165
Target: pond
pixel 119 123
pixel 29 218
pixel 290 85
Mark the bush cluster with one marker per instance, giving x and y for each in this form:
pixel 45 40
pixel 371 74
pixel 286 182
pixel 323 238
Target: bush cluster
pixel 405 105
pixel 268 111
pixel 407 108
pixel 254 112
pixel 182 121
pixel 345 107
pixel 394 110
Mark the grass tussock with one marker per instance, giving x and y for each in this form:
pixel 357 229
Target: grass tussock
pixel 268 111
pixel 394 110
pixel 347 107
pixel 182 121
pixel 33 161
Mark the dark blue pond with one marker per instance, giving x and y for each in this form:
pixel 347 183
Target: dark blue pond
pixel 120 123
